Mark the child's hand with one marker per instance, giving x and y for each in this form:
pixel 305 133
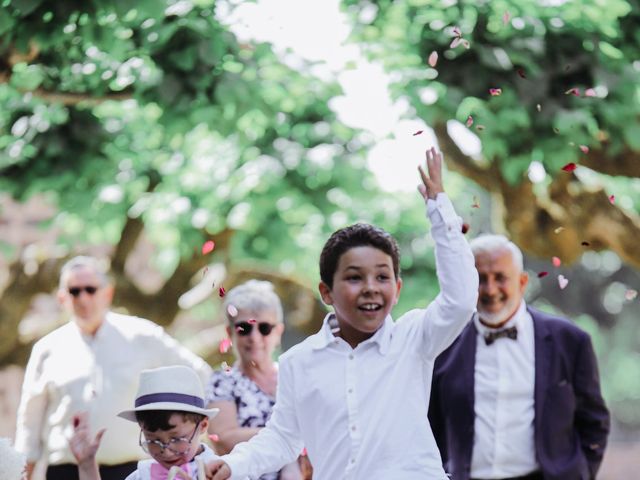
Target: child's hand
pixel 218 470
pixel 83 448
pixel 432 184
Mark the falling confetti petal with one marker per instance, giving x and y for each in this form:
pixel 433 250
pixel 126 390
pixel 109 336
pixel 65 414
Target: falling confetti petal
pixel 521 73
pixel 584 149
pixel 562 281
pixel 469 121
pixel 465 43
pixel 506 16
pixel 457 32
pixel 573 91
pixel 495 92
pixel 232 311
pixel 465 228
pixel 569 167
pixel 221 292
pixel 252 321
pixel 208 247
pixel 214 438
pixel 542 274
pixel 556 262
pixel 539 107
pixel 433 59
pixel 455 42
pixel 630 294
pixel 558 230
pixel 225 345
pixel 418 132
pixel 612 199
pixel 590 92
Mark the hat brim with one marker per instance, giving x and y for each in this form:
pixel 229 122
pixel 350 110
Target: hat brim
pixel 174 407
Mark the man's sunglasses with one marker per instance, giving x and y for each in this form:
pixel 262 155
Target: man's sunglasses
pixel 76 291
pixel 244 328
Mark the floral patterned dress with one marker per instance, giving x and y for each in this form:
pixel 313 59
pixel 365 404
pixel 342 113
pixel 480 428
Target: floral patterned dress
pixel 254 406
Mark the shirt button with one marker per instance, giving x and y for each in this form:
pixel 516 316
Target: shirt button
pixel 350 390
pixel 351 357
pixel 353 428
pixel 353 460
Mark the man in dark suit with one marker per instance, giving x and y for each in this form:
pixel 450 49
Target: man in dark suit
pixel 517 395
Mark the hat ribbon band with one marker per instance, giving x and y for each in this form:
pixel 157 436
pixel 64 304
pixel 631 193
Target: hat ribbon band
pixel 170 397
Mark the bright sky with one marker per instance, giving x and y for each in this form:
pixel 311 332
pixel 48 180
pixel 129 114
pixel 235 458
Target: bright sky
pixel 316 30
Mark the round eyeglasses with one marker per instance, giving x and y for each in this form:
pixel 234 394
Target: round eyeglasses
pixel 178 446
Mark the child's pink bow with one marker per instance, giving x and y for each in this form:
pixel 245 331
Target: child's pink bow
pixel 158 472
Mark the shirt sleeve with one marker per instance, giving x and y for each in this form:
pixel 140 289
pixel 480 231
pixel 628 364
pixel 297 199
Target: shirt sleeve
pixel 171 352
pixel 32 408
pixel 220 387
pixel 447 315
pixel 278 443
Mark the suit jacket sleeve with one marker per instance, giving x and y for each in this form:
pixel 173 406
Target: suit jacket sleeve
pixel 592 416
pixel 436 419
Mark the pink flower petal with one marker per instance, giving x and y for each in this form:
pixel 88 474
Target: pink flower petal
pixel 469 121
pixel 232 311
pixel 495 92
pixel 457 32
pixel 456 41
pixel 208 247
pixel 225 345
pixel 556 262
pixel 252 321
pixel 562 282
pixel 573 91
pixel 584 149
pixel 612 199
pixel 214 438
pixel 418 132
pixel 590 92
pixel 465 43
pixel 569 167
pixel 433 59
pixel 630 294
pixel 506 16
pixel 221 292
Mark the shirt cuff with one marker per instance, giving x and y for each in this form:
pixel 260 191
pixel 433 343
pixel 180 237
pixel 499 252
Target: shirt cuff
pixel 440 210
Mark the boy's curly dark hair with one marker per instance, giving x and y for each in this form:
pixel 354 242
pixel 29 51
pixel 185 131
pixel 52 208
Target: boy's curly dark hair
pixel 153 420
pixel 357 235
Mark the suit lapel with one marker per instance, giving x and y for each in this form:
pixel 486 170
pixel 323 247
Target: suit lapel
pixel 543 349
pixel 467 347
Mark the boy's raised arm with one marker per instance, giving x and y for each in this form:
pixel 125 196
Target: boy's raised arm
pixel 84 448
pixel 447 315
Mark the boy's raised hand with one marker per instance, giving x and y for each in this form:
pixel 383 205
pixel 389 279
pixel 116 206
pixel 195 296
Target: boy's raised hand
pixel 81 445
pixel 432 183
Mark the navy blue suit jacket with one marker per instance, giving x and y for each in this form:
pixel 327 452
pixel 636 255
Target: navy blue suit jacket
pixel 571 419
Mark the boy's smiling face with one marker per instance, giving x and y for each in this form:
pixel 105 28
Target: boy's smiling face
pixel 364 291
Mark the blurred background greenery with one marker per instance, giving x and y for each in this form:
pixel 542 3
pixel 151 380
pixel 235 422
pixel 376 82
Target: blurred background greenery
pixel 136 131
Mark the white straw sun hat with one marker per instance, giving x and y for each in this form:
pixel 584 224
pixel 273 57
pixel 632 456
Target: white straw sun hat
pixel 176 388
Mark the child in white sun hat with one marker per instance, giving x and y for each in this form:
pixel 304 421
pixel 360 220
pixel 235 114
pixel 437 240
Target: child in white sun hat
pixel 170 410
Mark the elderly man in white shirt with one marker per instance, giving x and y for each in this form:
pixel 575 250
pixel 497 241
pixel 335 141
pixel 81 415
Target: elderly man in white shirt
pixel 90 364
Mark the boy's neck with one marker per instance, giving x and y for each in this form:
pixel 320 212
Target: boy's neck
pixel 352 336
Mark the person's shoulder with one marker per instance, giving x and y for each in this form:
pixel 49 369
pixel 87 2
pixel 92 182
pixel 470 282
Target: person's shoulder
pixel 303 349
pixel 56 336
pixel 131 325
pixel 557 325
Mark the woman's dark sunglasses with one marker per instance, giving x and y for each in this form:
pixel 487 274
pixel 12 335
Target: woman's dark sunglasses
pixel 244 328
pixel 75 291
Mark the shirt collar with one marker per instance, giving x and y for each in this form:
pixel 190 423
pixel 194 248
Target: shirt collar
pixel 515 320
pixel 325 337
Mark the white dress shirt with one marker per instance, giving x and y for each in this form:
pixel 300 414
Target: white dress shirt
pixel 362 413
pixel 503 442
pixel 70 372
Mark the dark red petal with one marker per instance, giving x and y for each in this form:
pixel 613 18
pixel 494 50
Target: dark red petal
pixel 569 167
pixel 418 132
pixel 542 274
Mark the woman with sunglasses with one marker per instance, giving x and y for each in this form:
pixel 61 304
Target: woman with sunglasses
pixel 245 394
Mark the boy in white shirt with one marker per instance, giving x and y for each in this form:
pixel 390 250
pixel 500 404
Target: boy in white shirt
pixel 356 394
pixel 169 409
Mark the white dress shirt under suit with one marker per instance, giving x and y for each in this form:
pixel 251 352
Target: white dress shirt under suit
pixel 504 444
pixel 362 413
pixel 70 372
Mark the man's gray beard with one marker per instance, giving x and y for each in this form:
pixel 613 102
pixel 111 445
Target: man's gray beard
pixel 493 318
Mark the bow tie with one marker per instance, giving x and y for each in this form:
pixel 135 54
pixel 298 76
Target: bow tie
pixel 492 336
pixel 158 472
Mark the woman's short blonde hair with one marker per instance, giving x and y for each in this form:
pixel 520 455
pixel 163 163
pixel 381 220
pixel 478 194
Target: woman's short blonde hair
pixel 253 296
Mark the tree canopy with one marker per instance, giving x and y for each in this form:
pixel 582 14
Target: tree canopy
pixel 548 86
